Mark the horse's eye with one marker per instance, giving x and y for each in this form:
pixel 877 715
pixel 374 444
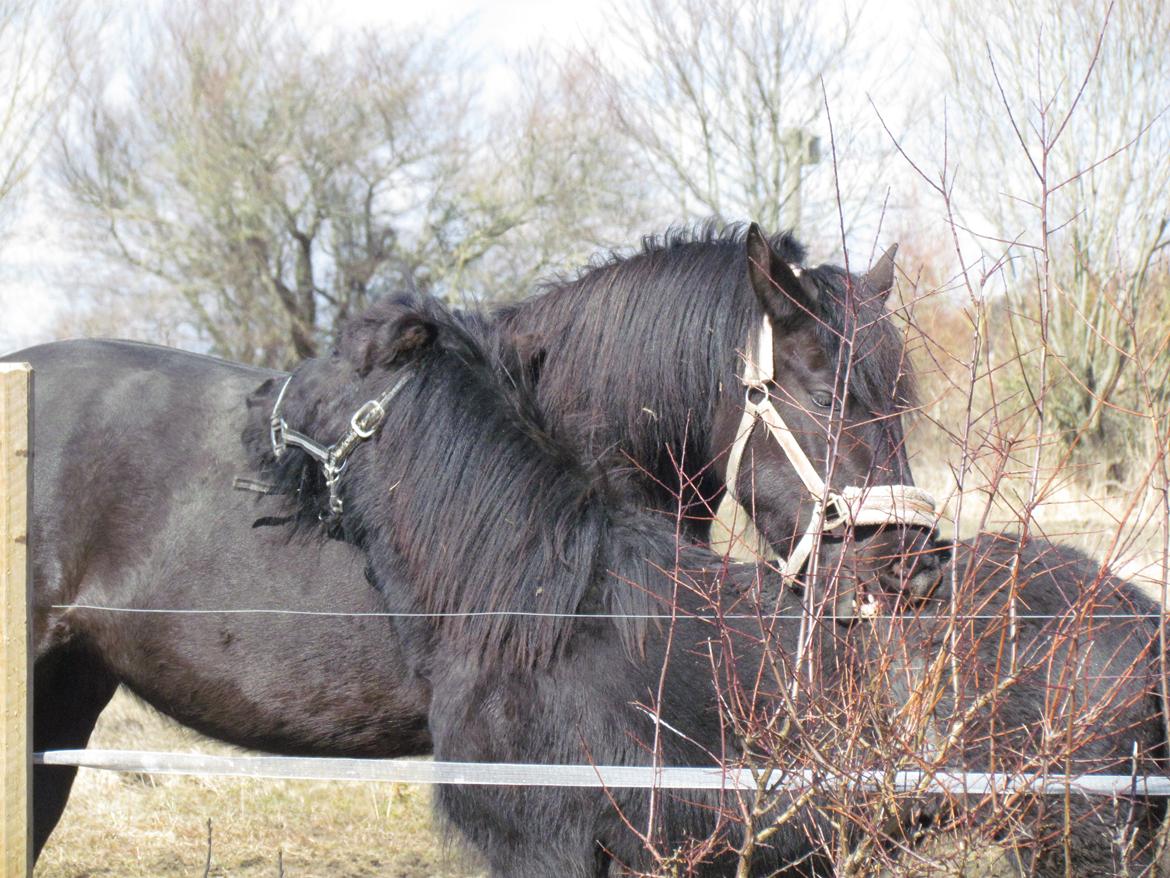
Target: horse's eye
pixel 822 399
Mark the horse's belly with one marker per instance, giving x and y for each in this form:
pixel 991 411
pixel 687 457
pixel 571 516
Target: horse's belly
pixel 269 684
pixel 261 640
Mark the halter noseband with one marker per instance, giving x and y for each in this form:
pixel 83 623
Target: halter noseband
pixel 877 505
pixel 333 458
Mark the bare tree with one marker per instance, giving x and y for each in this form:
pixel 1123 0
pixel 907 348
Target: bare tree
pixel 570 178
pixel 249 171
pixel 1068 104
pixel 725 99
pixel 273 181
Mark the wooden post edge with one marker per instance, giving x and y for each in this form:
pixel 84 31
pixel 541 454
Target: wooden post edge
pixel 15 622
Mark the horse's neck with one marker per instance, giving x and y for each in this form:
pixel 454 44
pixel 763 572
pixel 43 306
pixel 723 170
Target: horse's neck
pixel 624 401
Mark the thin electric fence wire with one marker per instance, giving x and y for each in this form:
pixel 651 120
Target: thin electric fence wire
pixel 699 617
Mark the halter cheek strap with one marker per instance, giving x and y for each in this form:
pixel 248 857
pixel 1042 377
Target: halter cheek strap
pixel 333 458
pixel 877 505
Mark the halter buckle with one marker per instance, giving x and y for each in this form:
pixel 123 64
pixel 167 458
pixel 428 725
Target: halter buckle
pixel 276 436
pixel 836 511
pixel 365 421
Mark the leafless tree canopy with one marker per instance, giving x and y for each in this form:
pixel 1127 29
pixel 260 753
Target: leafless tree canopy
pixel 274 181
pixel 722 99
pixel 1067 103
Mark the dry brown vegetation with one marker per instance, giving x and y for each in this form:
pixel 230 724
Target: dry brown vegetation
pixel 141 826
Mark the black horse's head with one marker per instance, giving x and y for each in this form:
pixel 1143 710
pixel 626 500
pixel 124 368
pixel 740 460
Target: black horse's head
pixel 308 425
pixel 826 371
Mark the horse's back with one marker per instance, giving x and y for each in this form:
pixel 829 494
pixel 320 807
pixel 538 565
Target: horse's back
pixel 98 383
pixel 123 384
pixel 136 452
pixel 119 429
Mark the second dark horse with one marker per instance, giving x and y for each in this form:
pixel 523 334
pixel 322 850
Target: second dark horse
pixel 556 621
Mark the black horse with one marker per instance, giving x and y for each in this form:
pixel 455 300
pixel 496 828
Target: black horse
pixel 523 579
pixel 1066 683
pixel 617 346
pixel 135 458
pixel 1074 690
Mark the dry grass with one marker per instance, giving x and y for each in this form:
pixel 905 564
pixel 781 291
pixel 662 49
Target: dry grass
pixel 138 826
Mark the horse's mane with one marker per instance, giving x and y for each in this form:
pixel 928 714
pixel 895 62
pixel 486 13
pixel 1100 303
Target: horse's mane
pixel 468 498
pixel 640 345
pixel 638 348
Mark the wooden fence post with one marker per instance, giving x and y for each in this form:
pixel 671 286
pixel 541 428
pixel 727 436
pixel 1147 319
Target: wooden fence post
pixel 15 738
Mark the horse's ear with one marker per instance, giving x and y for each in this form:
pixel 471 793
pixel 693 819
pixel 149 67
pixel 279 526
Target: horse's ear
pixel 391 341
pixel 781 292
pixel 263 396
pixel 880 278
pixel 531 352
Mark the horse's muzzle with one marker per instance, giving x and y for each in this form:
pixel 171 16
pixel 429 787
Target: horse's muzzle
pixel 872 578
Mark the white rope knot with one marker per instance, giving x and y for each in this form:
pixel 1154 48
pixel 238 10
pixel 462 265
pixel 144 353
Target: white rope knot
pixel 879 505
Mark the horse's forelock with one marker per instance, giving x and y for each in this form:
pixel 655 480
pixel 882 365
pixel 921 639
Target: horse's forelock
pixel 850 314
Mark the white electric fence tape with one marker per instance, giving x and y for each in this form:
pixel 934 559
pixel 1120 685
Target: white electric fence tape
pixel 598 776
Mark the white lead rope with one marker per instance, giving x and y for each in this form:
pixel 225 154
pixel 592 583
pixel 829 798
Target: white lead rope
pixel 877 505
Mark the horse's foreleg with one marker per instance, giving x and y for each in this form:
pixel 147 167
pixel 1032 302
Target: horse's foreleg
pixel 71 686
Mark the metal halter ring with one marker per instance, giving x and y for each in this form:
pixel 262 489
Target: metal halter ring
pixel 836 511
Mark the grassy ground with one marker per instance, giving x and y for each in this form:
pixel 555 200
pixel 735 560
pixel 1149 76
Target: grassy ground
pixel 149 827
